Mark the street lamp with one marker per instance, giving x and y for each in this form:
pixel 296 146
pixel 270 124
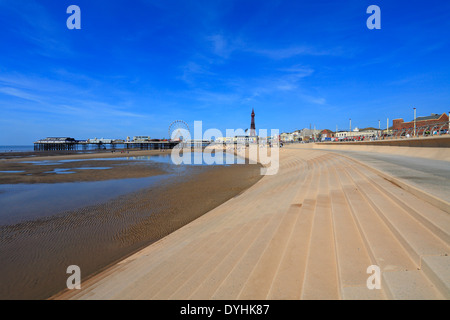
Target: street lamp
pixel 414 122
pixel 387 127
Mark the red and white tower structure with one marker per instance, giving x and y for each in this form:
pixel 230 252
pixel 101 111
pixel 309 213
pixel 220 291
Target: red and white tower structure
pixel 252 126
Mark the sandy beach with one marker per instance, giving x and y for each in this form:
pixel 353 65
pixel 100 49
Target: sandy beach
pixel 35 253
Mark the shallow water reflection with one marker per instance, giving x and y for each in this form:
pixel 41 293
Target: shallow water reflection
pixel 193 158
pixel 21 202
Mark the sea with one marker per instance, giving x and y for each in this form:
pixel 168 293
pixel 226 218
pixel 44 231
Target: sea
pixel 28 148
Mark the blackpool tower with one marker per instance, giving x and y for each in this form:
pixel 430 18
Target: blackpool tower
pixel 252 126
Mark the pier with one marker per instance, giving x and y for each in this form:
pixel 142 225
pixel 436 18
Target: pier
pixel 70 144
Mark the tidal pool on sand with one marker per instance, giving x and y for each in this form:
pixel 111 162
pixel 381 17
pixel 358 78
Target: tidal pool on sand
pixel 21 202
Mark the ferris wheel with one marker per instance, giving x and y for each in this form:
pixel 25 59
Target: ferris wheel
pixel 179 130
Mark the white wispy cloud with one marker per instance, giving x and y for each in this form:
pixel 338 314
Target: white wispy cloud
pixel 313 99
pixel 224 46
pixel 192 70
pixel 289 52
pixel 52 96
pixel 14 92
pixel 236 91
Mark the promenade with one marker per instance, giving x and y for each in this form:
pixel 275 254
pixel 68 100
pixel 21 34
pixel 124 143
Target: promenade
pixel 309 232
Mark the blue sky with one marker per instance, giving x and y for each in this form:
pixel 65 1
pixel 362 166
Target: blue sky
pixel 137 65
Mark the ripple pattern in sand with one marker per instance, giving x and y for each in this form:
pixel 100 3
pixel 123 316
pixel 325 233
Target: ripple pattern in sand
pixel 35 254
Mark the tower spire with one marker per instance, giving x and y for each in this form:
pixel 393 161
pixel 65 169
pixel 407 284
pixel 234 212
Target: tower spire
pixel 253 126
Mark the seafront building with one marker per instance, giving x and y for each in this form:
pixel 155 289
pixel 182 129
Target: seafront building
pixel 245 140
pixel 309 134
pixel 359 133
pixel 433 119
pixel 327 134
pixel 304 135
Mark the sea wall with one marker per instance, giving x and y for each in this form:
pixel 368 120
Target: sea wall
pixel 437 148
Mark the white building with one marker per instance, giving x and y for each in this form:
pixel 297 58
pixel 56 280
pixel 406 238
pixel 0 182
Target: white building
pixel 246 139
pixel 225 140
pixel 102 140
pixel 141 138
pixel 369 133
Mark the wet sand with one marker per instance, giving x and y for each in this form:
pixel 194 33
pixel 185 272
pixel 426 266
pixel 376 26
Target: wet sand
pixel 23 171
pixel 35 254
pixel 14 155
